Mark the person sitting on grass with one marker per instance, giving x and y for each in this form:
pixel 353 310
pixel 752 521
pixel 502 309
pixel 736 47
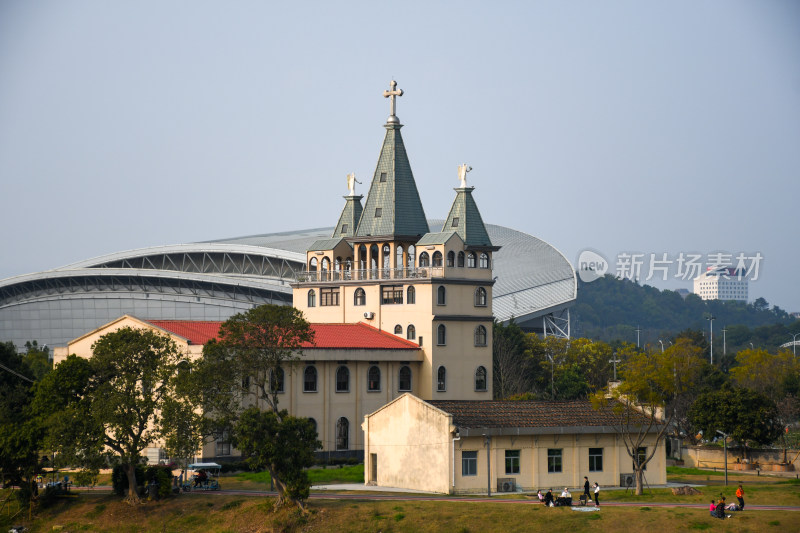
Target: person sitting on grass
pixel 712 509
pixel 548 498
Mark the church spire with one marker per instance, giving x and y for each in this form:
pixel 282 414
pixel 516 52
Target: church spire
pixel 393 208
pixel 348 220
pixel 464 217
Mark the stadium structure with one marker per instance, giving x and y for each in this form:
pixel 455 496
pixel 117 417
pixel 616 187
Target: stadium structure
pixel 536 285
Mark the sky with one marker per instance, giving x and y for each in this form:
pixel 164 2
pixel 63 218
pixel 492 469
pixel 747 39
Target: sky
pixel 619 127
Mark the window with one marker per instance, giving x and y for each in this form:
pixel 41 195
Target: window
pixel 424 260
pixel 326 264
pixel 480 336
pixel 310 379
pixel 471 260
pixel 451 258
pixel 553 461
pixel 342 379
pixel 374 379
pixel 441 295
pixel 344 229
pixel 391 294
pixel 595 459
pixel 512 461
pixel 312 265
pixel 441 335
pixel 460 259
pixel 480 297
pixel 469 463
pixel 480 379
pixel 312 298
pixel 437 259
pixel 398 329
pixel 383 177
pixel 405 379
pixel 342 434
pixel 641 456
pixel 378 212
pixel 329 297
pixel 360 297
pixel 276 380
pixel 223 443
pixel 484 260
pixel 411 332
pixel 441 379
pixel 412 295
pixel 455 222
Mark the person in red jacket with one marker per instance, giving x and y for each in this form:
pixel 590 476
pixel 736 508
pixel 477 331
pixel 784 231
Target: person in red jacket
pixel 740 497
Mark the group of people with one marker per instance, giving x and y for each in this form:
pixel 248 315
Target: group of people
pixel 720 508
pixel 566 496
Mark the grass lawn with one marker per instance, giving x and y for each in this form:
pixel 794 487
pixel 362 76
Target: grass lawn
pixel 221 513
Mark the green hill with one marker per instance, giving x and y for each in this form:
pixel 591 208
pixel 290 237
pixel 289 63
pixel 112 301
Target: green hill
pixel 609 309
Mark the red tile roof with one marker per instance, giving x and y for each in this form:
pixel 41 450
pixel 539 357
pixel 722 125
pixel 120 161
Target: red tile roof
pixel 333 336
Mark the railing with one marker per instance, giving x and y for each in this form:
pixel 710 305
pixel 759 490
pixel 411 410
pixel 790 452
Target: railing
pixel 365 275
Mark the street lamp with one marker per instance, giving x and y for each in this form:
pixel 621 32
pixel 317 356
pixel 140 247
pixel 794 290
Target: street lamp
pixel 662 345
pixel 711 319
pixel 794 343
pixel 725 446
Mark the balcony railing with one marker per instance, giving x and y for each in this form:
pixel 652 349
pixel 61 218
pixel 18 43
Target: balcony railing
pixel 305 276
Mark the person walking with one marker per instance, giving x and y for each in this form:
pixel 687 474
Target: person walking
pixel 740 497
pixel 596 494
pixel 586 489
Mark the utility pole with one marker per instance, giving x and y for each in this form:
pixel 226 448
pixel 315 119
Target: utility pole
pixel 711 319
pixel 794 343
pixel 638 329
pixel 724 345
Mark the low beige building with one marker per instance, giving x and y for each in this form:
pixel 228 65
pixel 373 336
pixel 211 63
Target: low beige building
pixel 442 446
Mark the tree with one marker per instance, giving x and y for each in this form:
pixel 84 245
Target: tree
pixel 773 375
pixel 19 435
pixel 251 356
pixel 114 402
pixel 38 359
pixel 640 403
pixel 747 416
pixel 512 366
pixel 282 444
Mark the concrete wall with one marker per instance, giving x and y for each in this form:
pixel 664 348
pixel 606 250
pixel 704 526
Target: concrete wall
pixel 714 457
pixel 409 445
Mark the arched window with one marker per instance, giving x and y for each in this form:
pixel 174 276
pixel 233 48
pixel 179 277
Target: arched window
pixel 437 259
pixel 404 382
pixel 480 379
pixel 374 378
pixel 387 257
pixel 461 259
pixel 411 332
pixel 484 260
pixel 441 295
pixel 412 250
pixel 471 260
pixel 342 434
pixel 362 257
pixel 373 251
pixel 480 297
pixel 441 335
pixel 337 263
pixel 342 379
pixel 360 297
pixel 480 336
pixel 326 264
pixel 312 298
pixel 398 257
pixel 398 329
pixel 312 265
pixel 441 379
pixel 276 380
pixel 424 260
pixel 313 423
pixel 451 258
pixel 310 379
pixel 412 295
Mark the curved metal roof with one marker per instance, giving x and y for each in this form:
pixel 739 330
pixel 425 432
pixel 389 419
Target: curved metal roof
pixel 533 278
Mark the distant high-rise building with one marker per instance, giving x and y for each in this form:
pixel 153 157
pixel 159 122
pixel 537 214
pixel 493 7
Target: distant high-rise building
pixel 721 283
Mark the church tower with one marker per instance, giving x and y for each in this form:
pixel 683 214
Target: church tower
pixel 383 266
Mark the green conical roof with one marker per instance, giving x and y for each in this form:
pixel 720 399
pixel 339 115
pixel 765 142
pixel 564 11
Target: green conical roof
pixel 348 221
pixel 465 219
pixel 393 207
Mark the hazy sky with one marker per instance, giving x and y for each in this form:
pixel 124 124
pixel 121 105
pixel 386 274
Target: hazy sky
pixel 649 127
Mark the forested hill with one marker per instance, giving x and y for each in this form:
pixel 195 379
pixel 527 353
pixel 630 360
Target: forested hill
pixel 611 308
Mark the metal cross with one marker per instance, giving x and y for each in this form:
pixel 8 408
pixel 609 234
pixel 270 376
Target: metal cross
pixel 615 361
pixel 392 94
